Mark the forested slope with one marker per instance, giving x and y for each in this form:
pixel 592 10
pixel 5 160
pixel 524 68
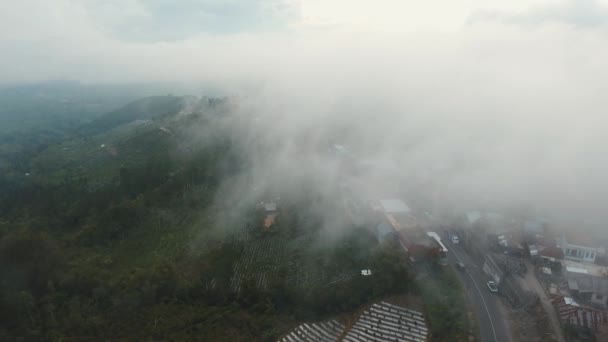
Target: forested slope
pixel 125 231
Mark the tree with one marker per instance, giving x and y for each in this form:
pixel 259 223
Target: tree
pixel 28 261
pixel 390 269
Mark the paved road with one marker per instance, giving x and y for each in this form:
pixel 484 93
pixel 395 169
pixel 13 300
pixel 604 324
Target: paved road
pixel 492 323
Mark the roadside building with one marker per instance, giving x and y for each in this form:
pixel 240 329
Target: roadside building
pixel 579 247
pixel 384 232
pixel 510 243
pixel 270 207
pixel 587 282
pixel 395 213
pixel 487 220
pixel 398 222
pixel 471 218
pixel 491 268
pixel 442 254
pixel 421 247
pixel 552 253
pixel 398 214
pixel 533 252
pixel 269 220
pixel 394 206
pixel 270 215
pixel 534 229
pixel 581 317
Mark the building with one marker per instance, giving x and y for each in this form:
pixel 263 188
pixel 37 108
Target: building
pixel 551 252
pixel 384 232
pixel 534 229
pixel 269 220
pixel 394 206
pixel 491 268
pixel 418 244
pixel 580 316
pixel 587 282
pixel 472 217
pixel 271 213
pixel 443 251
pixel 270 207
pixel 397 214
pixel 511 244
pixel 580 248
pixel 484 219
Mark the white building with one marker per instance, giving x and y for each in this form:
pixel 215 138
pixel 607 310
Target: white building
pixel 577 251
pixel 394 206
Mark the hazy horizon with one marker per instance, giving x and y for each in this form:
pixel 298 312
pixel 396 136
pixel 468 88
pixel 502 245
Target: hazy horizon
pixel 493 101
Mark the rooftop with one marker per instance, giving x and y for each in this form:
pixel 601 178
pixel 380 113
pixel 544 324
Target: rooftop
pixel 417 238
pixel 401 221
pixel 270 206
pixel 473 216
pixel 269 220
pixel 580 239
pixel 394 205
pixel 383 230
pixel 436 237
pixel 509 240
pixel 581 268
pixel 534 227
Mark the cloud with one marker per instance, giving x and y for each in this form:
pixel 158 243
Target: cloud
pixel 495 110
pixel 163 20
pixel 578 13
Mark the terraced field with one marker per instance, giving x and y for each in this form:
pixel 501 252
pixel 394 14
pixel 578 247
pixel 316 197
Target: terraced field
pixel 261 259
pixel 264 257
pixel 388 322
pixel 382 322
pixel 328 331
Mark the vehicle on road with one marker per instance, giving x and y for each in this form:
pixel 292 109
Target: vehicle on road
pixel 492 286
pixel 460 266
pixel 454 238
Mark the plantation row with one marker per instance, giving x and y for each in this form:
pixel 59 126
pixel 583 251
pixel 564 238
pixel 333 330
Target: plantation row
pixel 260 260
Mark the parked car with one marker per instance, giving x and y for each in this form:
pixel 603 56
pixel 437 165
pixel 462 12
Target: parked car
pixel 492 286
pixel 460 266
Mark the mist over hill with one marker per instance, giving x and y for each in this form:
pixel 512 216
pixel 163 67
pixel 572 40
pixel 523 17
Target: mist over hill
pixel 153 208
pixel 156 208
pixel 217 170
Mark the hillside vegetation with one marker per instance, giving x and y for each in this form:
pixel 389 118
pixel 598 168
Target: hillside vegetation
pixel 129 228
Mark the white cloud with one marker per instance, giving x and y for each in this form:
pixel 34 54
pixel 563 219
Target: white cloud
pixel 579 14
pixel 525 105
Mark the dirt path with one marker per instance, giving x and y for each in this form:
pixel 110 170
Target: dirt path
pixel 532 284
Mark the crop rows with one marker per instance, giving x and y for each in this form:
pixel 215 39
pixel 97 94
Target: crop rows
pixel 260 260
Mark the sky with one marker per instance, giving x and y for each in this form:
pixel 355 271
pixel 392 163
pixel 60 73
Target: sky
pixel 513 90
pixel 236 40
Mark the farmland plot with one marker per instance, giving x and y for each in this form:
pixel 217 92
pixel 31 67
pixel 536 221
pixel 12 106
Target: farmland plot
pixel 261 260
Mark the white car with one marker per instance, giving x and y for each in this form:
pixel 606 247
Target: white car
pixel 492 286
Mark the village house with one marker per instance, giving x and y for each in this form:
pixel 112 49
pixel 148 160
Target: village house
pixel 587 282
pixel 579 247
pixel 398 222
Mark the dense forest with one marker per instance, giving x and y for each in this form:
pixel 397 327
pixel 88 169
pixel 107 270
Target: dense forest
pixel 126 227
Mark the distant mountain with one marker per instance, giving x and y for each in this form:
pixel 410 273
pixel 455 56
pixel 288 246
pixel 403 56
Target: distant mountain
pixel 64 105
pixel 147 108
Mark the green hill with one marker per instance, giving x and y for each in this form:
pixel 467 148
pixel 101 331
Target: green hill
pixel 144 227
pixel 147 108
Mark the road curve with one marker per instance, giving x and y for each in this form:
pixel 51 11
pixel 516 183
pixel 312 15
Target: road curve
pixel 493 325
